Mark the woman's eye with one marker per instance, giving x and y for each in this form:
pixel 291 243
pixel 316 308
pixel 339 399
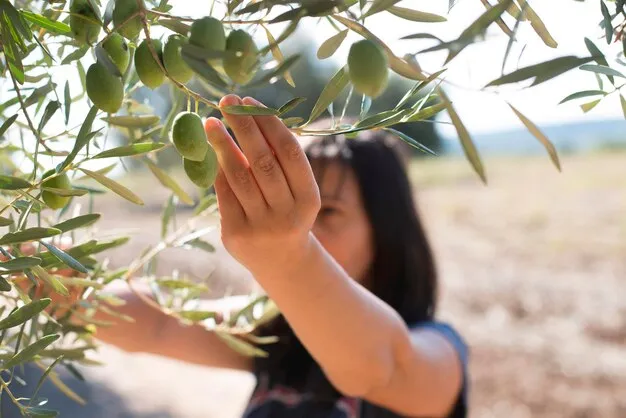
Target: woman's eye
pixel 327 211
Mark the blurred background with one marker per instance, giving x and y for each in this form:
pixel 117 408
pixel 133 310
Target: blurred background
pixel 532 266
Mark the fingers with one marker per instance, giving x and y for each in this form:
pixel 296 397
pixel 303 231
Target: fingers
pixel 230 209
pixel 261 159
pixel 292 159
pixel 236 169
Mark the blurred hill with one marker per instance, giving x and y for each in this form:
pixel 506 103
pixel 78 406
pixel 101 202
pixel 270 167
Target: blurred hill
pixel 572 137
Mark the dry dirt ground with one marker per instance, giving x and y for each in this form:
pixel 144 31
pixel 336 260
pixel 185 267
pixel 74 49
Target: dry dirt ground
pixel 533 273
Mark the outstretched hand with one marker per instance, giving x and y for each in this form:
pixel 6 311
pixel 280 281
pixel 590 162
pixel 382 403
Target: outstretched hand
pixel 267 195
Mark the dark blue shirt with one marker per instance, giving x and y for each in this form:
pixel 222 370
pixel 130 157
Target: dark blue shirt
pixel 276 401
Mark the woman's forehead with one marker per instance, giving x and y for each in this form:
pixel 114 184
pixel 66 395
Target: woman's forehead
pixel 335 179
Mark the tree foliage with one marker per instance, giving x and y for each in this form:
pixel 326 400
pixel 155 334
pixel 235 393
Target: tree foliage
pixel 47 180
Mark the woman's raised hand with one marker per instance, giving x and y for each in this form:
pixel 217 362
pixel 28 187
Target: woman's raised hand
pixel 267 195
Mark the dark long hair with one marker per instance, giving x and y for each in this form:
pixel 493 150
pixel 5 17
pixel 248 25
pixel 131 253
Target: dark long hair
pixel 402 272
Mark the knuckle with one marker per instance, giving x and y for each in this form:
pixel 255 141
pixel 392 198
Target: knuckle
pixel 293 151
pixel 243 177
pixel 265 164
pixel 246 124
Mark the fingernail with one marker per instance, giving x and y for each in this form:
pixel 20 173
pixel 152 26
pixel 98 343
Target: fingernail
pixel 253 101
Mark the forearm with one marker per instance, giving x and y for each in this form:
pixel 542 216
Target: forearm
pixel 352 334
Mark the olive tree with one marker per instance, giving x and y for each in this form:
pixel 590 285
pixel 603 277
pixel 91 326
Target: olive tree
pixel 49 289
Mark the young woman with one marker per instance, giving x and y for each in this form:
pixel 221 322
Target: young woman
pixel 332 235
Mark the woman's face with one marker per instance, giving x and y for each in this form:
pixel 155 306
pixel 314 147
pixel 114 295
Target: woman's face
pixel 342 226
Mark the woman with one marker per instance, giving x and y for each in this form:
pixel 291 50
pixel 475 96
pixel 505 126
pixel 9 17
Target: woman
pixel 335 241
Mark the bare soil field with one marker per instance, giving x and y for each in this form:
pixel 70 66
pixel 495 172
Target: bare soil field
pixel 533 273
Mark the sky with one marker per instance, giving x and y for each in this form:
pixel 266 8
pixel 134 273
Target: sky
pixel 486 111
pixel 482 111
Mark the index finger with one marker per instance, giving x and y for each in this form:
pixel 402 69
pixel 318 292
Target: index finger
pixel 288 152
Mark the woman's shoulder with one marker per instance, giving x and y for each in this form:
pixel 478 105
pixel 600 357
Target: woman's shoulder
pixel 444 327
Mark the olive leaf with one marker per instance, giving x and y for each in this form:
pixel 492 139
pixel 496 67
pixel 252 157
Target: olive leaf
pixel 536 132
pixel 333 88
pixel 330 45
pixel 466 140
pixel 113 186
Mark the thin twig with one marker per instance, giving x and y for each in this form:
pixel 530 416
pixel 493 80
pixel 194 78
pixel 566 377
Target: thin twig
pixel 23 106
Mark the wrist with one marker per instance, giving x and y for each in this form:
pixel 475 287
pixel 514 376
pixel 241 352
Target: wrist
pixel 294 258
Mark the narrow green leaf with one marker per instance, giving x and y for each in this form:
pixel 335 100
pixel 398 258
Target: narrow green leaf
pixel 538 25
pixel 282 69
pixel 334 87
pixel 24 313
pixel 31 234
pixel 201 244
pixel 5 221
pixel 65 258
pixel 168 211
pixel 50 280
pixel 7 124
pixel 382 117
pixel 128 150
pixel 598 56
pixel 290 105
pixel 512 39
pixel 174 25
pixel 78 222
pixel 536 132
pixel 412 142
pixel 39 93
pixel 425 113
pixel 67 100
pixel 415 15
pixel 66 192
pixel 474 30
pixel 113 186
pixel 293 121
pixel 607 21
pixel 173 284
pixel 247 311
pixel 169 182
pixel 543 71
pixel 43 378
pixel 249 110
pixel 204 204
pixel 261 340
pixel 240 346
pixel 30 351
pixel 584 93
pixel 623 102
pixel 82 139
pixel 13 183
pixel 601 69
pixel 417 88
pixel 330 45
pixel 43 22
pixel 197 316
pixel 586 107
pixel 278 56
pixel 50 110
pixel 466 140
pixel 37 412
pixel 18 264
pixel 378 6
pixel 203 69
pixel 56 381
pixel 75 55
pixel 422 36
pixel 136 121
pixel 11 52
